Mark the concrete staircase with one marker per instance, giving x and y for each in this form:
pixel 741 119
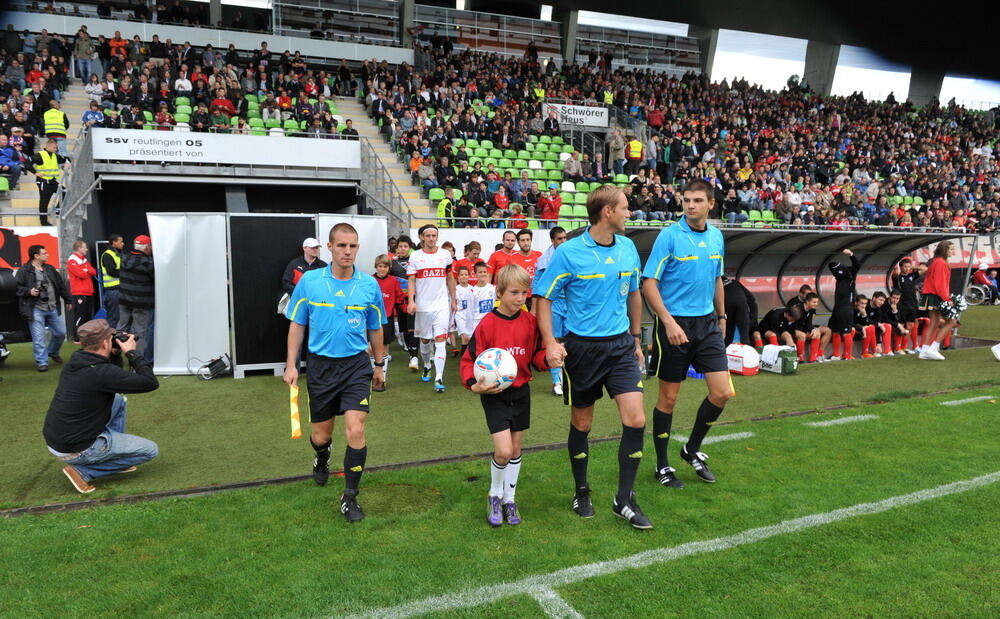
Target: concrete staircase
pixel 419 206
pixel 20 206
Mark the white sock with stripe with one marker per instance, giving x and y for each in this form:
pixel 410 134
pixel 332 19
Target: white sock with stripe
pixel 426 353
pixel 440 352
pixel 497 474
pixel 510 479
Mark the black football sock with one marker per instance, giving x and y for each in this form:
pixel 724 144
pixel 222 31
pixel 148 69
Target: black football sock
pixel 579 454
pixel 354 465
pixel 707 414
pixel 629 457
pixel 323 451
pixel 464 346
pixel 662 422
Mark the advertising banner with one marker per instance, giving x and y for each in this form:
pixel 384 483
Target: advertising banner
pixel 578 115
pixel 190 147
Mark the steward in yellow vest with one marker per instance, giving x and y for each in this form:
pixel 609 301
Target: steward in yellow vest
pixel 55 121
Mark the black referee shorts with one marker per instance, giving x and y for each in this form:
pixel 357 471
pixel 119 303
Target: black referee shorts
pixel 508 410
pixel 338 385
pixel 705 349
pixel 596 364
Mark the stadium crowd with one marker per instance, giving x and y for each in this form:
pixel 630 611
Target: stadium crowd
pixel 786 157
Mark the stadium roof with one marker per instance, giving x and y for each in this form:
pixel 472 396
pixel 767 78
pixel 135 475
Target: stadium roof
pixel 950 38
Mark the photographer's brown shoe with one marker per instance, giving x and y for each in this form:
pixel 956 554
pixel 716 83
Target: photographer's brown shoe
pixel 82 485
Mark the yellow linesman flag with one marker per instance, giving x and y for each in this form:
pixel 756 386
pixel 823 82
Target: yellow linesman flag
pixel 293 405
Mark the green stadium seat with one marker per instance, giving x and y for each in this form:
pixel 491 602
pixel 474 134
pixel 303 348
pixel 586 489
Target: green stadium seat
pixel 548 165
pixel 567 197
pixel 555 175
pixel 755 215
pixel 254 114
pixel 181 101
pixel 530 147
pixel 4 184
pixel 580 198
pixel 584 187
pixel 552 156
pixel 258 132
pixel 184 109
pixel 557 140
pixel 456 142
pixel 509 154
pixel 472 143
pixel 545 139
pixel 252 105
pixel 255 123
pixel 621 178
pixel 435 194
pixel 488 160
pixel 480 152
pixel 486 144
pixel 251 98
pixel 768 216
pixel 291 125
pixel 272 123
pixel 496 153
pixel 233 121
pixel 566 210
pixel 456 194
pixel 541 148
pixel 148 115
pixel 520 164
pixel 532 224
pixel 505 163
pixel 580 211
pixel 908 200
pixel 568 148
pixel 533 139
pixel 182 118
pixel 523 154
pixel 918 201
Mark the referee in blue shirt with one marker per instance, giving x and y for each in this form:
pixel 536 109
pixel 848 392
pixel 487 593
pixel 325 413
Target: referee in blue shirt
pixel 683 286
pixel 597 273
pixel 343 309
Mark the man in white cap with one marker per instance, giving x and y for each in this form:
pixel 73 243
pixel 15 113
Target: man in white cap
pixel 308 261
pixel 982 278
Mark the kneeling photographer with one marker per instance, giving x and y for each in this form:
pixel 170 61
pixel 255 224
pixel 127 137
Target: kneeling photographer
pixel 85 424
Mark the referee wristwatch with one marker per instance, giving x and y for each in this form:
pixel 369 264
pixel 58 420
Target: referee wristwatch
pixel 721 317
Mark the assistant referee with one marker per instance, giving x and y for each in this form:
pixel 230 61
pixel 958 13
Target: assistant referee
pixel 343 309
pixel 683 287
pixel 598 273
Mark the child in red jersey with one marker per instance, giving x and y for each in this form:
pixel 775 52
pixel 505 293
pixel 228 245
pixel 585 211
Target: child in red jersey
pixel 392 296
pixel 508 413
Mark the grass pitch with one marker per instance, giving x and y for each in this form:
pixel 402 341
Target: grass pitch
pixel 285 551
pixel 225 431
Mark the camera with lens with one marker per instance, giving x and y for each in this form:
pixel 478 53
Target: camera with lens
pixel 119 336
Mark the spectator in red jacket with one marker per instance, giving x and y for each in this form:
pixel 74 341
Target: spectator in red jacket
pixel 81 285
pixel 549 206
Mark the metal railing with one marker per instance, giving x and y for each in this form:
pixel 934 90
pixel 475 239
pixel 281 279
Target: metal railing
pixel 378 185
pixel 75 192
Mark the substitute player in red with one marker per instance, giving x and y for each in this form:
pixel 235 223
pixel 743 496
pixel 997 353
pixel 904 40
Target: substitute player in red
pixel 526 258
pixel 508 412
pixel 392 296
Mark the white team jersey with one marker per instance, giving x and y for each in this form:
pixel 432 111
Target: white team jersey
pixel 474 302
pixel 431 293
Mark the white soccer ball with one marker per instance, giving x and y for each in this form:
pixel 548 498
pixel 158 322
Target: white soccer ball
pixel 496 366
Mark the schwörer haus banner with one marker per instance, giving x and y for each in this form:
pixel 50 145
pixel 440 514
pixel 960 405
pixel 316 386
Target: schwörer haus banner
pixel 578 115
pixel 190 147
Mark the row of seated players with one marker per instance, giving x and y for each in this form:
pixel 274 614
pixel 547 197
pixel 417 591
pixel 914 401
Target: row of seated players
pixel 881 324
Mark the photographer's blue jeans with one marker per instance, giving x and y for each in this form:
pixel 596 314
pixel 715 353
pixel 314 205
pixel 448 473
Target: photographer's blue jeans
pixel 113 451
pixel 39 321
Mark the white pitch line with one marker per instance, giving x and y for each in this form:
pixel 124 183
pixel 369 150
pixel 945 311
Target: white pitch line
pixel 530 585
pixel 840 420
pixel 553 604
pixel 967 400
pixel 736 436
